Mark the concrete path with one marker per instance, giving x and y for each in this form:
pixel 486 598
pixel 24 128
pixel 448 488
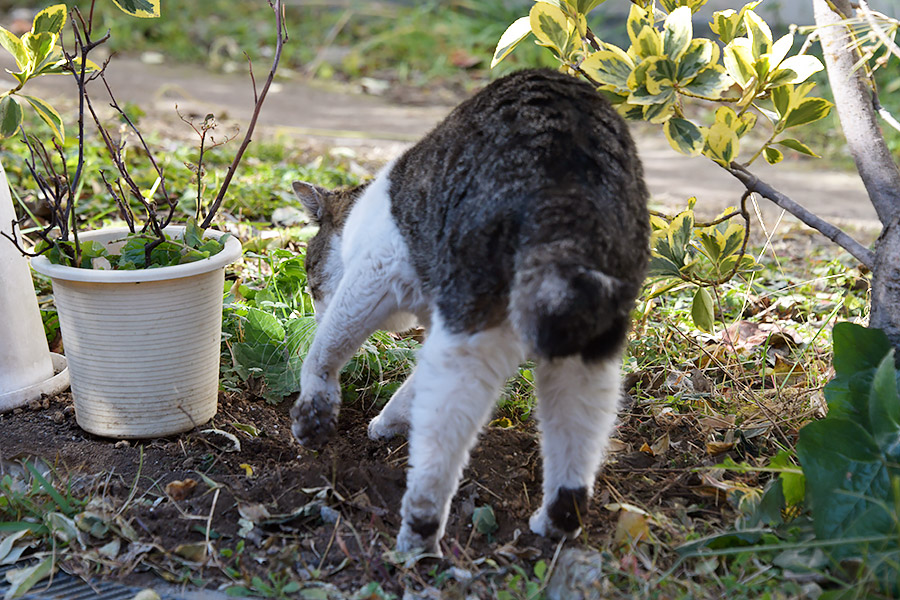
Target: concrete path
pixel 313 111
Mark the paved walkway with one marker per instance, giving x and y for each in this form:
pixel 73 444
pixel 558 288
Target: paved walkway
pixel 311 110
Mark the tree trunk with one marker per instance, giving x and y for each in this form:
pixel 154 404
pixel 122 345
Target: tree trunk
pixel 854 103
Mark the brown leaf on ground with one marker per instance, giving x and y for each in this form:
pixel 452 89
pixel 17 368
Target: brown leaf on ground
pixel 179 490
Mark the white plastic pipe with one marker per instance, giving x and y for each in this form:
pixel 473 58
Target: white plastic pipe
pixel 24 356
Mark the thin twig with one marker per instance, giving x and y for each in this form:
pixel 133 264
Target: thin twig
pixel 281 37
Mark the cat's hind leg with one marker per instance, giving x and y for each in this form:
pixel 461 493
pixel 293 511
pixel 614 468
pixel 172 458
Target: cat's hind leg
pixel 456 383
pixel 577 405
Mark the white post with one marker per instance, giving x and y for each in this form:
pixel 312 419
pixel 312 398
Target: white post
pixel 24 358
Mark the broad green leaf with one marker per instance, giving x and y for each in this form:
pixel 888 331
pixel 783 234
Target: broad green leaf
pixel 10 116
pixel 50 19
pixel 193 234
pixel 700 54
pixel 610 67
pixel 858 351
pixel 798 146
pixel 702 310
pixel 884 404
pixel 759 34
pixel 550 26
pixel 677 33
pixel 638 20
pixel 14 46
pixel 483 520
pixel 848 479
pixel 144 9
pixel 722 144
pixel 684 136
pixel 738 61
pixel 49 116
pixel 773 155
pixel 661 266
pixel 514 34
pixel 711 82
pixel 710 246
pixel 808 111
pixel 796 69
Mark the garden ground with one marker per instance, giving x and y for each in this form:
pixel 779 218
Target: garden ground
pixel 237 499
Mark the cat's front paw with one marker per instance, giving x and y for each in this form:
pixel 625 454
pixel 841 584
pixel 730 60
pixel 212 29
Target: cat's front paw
pixel 314 418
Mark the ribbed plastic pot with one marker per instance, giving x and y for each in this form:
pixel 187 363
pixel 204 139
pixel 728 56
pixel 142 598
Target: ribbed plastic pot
pixel 142 346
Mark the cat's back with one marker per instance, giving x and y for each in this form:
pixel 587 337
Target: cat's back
pixel 534 152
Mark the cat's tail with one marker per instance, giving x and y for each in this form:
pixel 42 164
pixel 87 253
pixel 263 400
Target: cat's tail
pixel 561 307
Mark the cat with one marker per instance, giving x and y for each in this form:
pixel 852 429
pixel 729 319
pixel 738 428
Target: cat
pixel 516 229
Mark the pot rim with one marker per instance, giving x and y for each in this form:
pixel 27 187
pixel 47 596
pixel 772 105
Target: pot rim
pixel 229 254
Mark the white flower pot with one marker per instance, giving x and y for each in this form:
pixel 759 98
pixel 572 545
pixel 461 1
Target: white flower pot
pixel 26 364
pixel 143 345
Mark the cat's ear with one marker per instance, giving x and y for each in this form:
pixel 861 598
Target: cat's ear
pixel 312 197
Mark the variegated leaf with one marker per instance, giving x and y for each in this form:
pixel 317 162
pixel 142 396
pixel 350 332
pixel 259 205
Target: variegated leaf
pixel 514 34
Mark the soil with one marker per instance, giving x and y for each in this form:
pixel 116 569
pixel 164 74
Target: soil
pixel 338 511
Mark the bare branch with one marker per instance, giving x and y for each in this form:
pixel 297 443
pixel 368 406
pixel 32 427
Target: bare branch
pixel 832 232
pixel 281 37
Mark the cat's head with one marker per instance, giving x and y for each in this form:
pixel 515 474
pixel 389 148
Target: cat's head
pixel 329 210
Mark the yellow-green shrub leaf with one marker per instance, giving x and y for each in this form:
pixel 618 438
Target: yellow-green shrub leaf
pixel 661 75
pixel 584 6
pixel 660 112
pixel 638 19
pixel 797 146
pixel 50 19
pixel 782 100
pixel 773 155
pixel 780 49
pixel 684 136
pixel 14 46
pixel 722 144
pixel 700 54
pixel 726 114
pixel 49 116
pixel 649 43
pixel 677 33
pixel 550 26
pixel 610 67
pixel 702 310
pixel 711 82
pixel 808 111
pixel 10 116
pixel 37 47
pixel 738 61
pixel 796 69
pixel 759 34
pixel 144 9
pixel 514 34
pixel 745 123
pixel 728 24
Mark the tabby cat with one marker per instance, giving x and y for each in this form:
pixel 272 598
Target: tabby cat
pixel 516 229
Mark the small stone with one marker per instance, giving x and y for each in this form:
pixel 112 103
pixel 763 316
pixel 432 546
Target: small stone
pixel 57 417
pixel 123 444
pixel 45 402
pixel 34 404
pixel 188 463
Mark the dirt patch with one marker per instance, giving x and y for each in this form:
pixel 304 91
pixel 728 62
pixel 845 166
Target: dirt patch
pixel 332 516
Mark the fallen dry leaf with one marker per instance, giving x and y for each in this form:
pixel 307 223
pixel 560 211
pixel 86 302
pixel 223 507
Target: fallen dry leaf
pixel 179 490
pixel 632 527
